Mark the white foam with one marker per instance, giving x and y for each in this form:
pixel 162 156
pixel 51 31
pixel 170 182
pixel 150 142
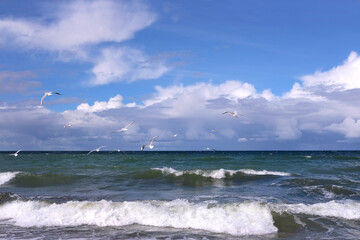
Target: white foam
pixel 321 189
pixel 346 209
pixel 7 176
pixel 219 173
pixel 249 218
pixel 264 172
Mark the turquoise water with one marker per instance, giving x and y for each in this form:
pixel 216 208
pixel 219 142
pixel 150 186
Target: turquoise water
pixel 180 195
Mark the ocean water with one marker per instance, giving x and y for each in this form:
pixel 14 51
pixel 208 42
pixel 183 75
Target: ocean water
pixel 180 195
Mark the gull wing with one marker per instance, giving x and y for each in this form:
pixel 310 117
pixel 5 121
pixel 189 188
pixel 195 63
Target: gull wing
pixel 152 140
pixel 129 124
pixel 18 151
pixel 42 99
pixel 56 93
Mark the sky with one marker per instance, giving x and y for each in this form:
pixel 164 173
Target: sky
pixel 291 69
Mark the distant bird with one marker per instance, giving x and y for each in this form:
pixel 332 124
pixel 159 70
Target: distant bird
pixel 234 114
pixel 97 150
pixel 48 94
pixel 150 145
pixel 211 130
pixel 124 129
pixel 209 149
pixel 175 135
pixel 15 154
pixel 67 126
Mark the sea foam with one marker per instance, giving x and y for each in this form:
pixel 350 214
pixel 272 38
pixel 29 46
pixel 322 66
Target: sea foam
pixel 7 176
pixel 346 209
pixel 249 218
pixel 219 173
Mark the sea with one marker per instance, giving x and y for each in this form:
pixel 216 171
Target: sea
pixel 180 195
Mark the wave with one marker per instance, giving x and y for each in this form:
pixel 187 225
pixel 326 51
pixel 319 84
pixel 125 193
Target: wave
pixel 239 219
pixel 42 180
pixel 7 197
pixel 328 188
pixel 249 218
pixel 219 173
pixel 7 176
pixel 347 209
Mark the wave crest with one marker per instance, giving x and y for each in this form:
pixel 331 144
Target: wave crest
pixel 347 210
pixel 219 173
pixel 237 219
pixel 7 176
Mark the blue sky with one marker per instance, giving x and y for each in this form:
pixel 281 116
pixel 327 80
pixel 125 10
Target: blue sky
pixel 291 68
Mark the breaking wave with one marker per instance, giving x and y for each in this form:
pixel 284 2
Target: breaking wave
pixel 245 218
pixel 249 218
pixel 7 176
pixel 219 173
pixel 346 209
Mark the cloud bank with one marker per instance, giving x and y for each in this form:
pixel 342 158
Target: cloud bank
pixel 311 115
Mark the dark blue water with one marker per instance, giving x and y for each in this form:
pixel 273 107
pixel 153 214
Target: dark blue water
pixel 180 195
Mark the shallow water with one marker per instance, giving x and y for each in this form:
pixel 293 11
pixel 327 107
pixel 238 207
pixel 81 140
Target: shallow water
pixel 180 195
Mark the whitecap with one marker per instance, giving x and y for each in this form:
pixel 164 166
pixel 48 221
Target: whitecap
pixel 263 172
pixel 7 176
pixel 248 218
pixel 345 209
pixel 219 173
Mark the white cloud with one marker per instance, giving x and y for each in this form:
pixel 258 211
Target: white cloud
pixel 242 139
pixel 77 29
pixel 75 24
pixel 201 98
pixel 126 64
pixel 287 129
pixel 291 121
pixel 349 127
pixel 113 103
pixel 339 78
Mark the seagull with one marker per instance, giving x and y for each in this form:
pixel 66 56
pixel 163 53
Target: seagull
pixel 211 130
pixel 97 149
pixel 15 154
pixel 124 129
pixel 209 149
pixel 48 94
pixel 234 114
pixel 150 144
pixel 67 126
pixel 175 135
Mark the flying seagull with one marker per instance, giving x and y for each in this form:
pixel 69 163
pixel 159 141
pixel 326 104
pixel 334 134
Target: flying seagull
pixel 97 150
pixel 48 94
pixel 234 114
pixel 209 149
pixel 150 145
pixel 15 154
pixel 124 129
pixel 67 126
pixel 175 135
